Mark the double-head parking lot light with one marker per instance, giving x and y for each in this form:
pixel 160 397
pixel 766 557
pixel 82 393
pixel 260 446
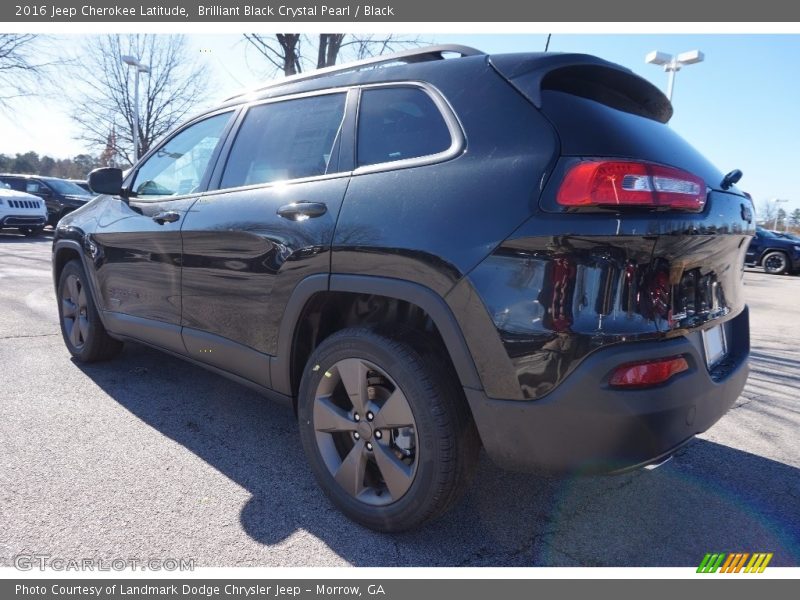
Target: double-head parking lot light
pixel 673 64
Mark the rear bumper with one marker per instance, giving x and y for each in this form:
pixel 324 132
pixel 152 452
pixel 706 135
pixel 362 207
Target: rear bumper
pixel 22 221
pixel 585 425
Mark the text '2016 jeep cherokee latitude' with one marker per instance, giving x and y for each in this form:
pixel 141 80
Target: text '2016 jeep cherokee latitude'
pixel 511 251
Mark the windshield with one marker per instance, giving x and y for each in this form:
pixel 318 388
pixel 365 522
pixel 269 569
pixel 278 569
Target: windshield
pixel 67 187
pixel 766 233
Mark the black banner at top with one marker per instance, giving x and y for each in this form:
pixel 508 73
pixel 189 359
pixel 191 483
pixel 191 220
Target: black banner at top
pixel 338 11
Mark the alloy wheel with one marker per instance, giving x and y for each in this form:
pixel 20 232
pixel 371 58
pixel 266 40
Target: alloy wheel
pixel 365 432
pixel 775 263
pixel 75 311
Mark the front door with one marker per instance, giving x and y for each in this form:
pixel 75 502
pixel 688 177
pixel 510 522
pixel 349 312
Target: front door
pixel 137 243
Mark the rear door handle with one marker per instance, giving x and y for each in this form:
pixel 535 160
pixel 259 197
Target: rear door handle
pixel 300 211
pixel 166 217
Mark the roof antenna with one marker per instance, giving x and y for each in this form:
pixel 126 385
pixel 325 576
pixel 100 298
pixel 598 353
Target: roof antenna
pixel 547 43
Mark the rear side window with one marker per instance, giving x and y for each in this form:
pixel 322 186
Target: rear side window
pixel 286 140
pixel 397 124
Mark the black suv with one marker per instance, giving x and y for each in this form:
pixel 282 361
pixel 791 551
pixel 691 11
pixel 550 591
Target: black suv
pixel 60 195
pixel 776 254
pixel 424 256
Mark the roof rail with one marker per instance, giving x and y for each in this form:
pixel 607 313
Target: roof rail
pixel 414 55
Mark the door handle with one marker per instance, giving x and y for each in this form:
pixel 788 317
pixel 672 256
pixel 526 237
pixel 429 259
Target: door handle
pixel 166 217
pixel 300 211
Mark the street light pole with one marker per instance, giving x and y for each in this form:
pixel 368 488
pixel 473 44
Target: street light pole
pixel 134 62
pixel 673 64
pixel 671 82
pixel 777 201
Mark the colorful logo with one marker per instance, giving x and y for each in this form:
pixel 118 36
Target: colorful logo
pixel 734 562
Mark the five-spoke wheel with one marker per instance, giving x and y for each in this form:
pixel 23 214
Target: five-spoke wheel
pixel 81 327
pixel 74 311
pixel 365 431
pixel 385 428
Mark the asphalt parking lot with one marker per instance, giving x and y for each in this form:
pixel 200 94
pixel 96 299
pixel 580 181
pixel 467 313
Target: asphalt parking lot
pixel 150 457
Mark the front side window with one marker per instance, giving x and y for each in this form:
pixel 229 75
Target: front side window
pixel 397 124
pixel 177 167
pixel 285 140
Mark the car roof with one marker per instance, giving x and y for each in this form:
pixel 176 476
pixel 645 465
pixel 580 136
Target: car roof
pixel 31 176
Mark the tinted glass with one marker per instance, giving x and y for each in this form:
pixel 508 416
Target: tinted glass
pixel 399 123
pixel 15 183
pixel 178 167
pixel 285 140
pixel 67 187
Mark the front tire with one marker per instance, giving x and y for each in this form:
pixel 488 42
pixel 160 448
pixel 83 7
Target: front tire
pixel 31 231
pixel 83 332
pixel 386 429
pixel 775 263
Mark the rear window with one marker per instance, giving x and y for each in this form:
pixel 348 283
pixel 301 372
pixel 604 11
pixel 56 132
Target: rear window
pixel 397 124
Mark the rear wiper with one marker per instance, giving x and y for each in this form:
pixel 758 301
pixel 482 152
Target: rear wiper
pixel 730 179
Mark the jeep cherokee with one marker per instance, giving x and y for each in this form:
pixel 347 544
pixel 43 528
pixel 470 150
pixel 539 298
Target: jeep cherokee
pixel 424 256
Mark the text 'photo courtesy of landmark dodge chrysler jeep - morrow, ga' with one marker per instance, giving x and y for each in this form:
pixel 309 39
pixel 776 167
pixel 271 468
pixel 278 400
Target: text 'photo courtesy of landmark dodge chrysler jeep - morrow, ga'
pixel 428 253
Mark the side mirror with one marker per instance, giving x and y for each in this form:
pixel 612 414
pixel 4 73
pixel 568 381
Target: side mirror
pixel 107 180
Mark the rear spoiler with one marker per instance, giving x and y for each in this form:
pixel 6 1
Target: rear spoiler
pixel 585 76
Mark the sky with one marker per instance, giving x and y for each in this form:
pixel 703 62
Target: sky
pixel 739 107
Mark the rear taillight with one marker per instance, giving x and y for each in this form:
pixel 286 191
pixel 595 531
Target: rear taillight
pixel 648 373
pixel 627 183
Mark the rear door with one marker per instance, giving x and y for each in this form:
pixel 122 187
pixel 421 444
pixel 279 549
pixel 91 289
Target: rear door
pixel 267 226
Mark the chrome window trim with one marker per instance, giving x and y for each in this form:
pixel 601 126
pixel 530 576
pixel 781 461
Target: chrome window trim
pixel 274 184
pixel 457 138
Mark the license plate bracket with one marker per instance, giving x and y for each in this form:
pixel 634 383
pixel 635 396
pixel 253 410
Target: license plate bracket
pixel 715 345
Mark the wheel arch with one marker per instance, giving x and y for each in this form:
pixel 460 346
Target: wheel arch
pixel 63 252
pixel 414 294
pixel 772 249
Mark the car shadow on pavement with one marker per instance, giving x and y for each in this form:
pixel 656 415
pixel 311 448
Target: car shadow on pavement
pixel 710 498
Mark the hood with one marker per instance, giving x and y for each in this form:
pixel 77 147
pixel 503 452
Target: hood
pixel 16 195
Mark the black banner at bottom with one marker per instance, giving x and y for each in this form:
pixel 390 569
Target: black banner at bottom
pixel 384 589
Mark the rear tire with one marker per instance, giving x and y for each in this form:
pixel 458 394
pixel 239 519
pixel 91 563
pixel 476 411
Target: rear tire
pixel 83 332
pixel 386 429
pixel 775 263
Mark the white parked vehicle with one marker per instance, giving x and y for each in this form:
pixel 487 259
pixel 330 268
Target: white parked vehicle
pixel 21 211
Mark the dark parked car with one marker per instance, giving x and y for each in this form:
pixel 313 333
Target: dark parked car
pixel 425 255
pixel 776 254
pixel 61 196
pixel 81 183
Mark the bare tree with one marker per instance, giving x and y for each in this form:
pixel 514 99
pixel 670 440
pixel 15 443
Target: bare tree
pixel 766 215
pixel 24 66
pixel 794 218
pixel 287 52
pixel 780 222
pixel 175 85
